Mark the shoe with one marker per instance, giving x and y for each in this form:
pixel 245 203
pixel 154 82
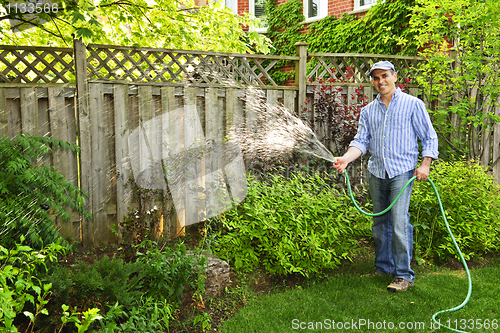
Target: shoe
pixel 399 284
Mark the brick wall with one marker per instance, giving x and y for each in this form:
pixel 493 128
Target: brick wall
pixel 339 7
pixel 243 7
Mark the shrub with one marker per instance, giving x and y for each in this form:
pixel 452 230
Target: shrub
pixel 28 190
pixel 471 200
pixel 300 224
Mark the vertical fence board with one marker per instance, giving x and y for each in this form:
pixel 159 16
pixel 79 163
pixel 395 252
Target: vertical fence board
pixel 351 91
pixel 234 115
pixel 145 115
pixel 213 136
pixel 101 166
pixel 84 138
pixel 369 93
pixel 191 136
pixel 61 157
pixel 73 176
pixel 43 124
pixel 123 172
pixel 160 141
pixel 14 117
pixel 173 128
pixel 4 116
pixel 29 111
pixel 289 100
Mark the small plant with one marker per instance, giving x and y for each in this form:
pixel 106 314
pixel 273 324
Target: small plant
pixel 204 320
pixel 82 320
pixel 169 270
pixel 150 314
pixel 19 284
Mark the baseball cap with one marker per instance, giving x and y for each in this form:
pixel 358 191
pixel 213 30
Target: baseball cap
pixel 387 65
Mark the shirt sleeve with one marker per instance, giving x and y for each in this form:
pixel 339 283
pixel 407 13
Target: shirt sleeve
pixel 425 131
pixel 362 138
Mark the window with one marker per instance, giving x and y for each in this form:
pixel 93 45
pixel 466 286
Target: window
pixel 258 9
pixel 363 4
pixel 233 4
pixel 316 9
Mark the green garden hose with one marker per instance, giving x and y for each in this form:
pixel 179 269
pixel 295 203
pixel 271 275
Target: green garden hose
pixel 447 227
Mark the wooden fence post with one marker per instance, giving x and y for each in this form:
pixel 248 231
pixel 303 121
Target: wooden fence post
pixel 84 140
pixel 301 74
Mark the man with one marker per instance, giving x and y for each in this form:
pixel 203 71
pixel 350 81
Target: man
pixel 389 127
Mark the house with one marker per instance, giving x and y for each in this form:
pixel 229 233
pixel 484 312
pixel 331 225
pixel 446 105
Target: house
pixel 313 10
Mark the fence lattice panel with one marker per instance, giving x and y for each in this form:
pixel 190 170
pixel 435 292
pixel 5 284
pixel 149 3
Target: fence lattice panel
pixel 36 65
pixel 355 68
pixel 179 67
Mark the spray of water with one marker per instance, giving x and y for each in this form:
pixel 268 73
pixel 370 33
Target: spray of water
pixel 274 132
pixel 206 177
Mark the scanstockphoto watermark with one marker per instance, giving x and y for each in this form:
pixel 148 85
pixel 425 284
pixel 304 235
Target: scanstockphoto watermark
pixel 359 324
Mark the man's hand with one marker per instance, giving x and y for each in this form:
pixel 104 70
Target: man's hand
pixel 422 172
pixel 341 164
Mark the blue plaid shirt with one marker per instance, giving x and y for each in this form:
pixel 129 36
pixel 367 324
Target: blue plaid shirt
pixel 391 134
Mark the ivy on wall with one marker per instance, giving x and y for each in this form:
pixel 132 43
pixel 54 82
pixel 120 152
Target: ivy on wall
pixel 383 30
pixel 284 26
pixel 284 31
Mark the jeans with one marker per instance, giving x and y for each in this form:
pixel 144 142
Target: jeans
pixel 392 232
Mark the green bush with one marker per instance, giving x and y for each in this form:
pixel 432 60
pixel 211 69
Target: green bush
pixel 300 224
pixel 26 187
pixel 471 200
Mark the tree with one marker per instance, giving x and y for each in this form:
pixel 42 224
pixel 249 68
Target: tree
pixel 176 24
pixel 461 39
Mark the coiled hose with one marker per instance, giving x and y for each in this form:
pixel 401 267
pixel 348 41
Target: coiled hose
pixel 447 227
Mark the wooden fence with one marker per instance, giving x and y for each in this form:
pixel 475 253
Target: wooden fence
pixel 96 95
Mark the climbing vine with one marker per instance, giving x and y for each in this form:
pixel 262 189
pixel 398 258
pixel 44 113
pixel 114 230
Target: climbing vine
pixel 383 30
pixel 284 30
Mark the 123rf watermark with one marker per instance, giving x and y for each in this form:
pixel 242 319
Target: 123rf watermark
pixel 367 324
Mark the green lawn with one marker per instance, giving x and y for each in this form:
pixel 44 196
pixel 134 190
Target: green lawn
pixel 357 303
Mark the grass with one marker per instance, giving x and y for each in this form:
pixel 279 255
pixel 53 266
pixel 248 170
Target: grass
pixel 357 299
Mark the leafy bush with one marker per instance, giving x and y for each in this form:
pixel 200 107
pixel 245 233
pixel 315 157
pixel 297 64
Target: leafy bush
pixel 471 200
pixel 27 188
pixel 297 225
